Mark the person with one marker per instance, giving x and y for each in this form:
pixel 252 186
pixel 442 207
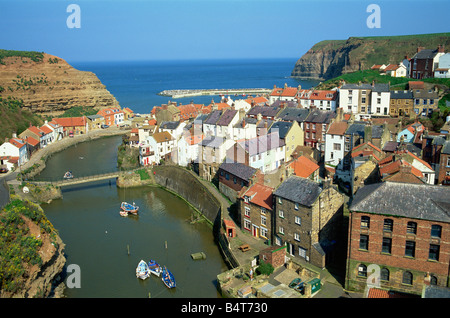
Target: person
pixel 251 274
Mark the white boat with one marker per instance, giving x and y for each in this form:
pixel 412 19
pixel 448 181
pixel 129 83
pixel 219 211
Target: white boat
pixel 68 175
pixel 154 268
pixel 142 270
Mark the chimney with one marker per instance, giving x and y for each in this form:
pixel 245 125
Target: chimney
pixel 259 116
pixel 243 123
pixel 420 48
pixel 404 168
pixel 440 48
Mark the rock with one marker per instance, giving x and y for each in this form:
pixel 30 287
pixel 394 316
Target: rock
pixel 49 88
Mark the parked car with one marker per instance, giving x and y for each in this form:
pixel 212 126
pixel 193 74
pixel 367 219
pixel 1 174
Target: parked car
pixel 104 126
pixel 3 170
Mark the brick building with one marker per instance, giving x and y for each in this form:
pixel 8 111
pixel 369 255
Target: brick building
pixel 233 176
pixel 306 219
pixel 315 127
pixel 444 164
pixel 403 232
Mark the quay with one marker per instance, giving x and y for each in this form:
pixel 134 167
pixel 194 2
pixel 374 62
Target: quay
pixel 180 93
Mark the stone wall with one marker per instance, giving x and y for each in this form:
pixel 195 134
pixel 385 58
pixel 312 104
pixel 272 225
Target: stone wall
pixel 187 186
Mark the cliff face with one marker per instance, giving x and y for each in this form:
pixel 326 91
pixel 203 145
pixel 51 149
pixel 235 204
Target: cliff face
pixel 50 85
pixel 329 59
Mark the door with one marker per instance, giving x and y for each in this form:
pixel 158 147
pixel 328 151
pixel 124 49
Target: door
pixel 255 230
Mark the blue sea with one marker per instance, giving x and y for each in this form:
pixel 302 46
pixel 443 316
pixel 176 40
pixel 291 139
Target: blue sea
pixel 135 84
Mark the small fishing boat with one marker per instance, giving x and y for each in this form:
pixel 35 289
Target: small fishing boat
pixel 68 175
pixel 130 208
pixel 142 270
pixel 168 278
pixel 123 213
pixel 154 268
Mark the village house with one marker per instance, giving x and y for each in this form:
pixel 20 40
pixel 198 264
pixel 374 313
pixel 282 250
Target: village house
pixel 443 68
pixel 321 99
pixel 432 144
pixel 424 62
pixel 263 112
pixel 294 114
pixel 402 104
pixel 212 152
pixel 174 128
pixel 245 128
pixel 166 112
pixel 35 133
pixel 233 176
pixel 188 148
pixel 307 218
pixel 396 70
pixel 256 211
pixel 401 231
pixel 113 116
pixel 246 104
pixel 410 132
pixel 95 121
pixel 291 133
pixel 189 111
pixel 335 143
pixel 283 94
pixel 425 101
pixel 14 151
pixel 315 127
pixel 156 147
pixel 266 152
pixel 127 113
pixel 226 122
pixel 73 125
pixel 209 124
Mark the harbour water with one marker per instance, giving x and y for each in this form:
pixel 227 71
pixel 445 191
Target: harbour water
pixel 97 238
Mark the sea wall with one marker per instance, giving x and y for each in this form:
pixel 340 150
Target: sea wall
pixel 187 186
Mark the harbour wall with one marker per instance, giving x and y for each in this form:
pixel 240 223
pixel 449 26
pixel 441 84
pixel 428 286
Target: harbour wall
pixel 180 93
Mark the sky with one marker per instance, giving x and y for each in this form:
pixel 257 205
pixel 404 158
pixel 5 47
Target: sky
pixel 205 29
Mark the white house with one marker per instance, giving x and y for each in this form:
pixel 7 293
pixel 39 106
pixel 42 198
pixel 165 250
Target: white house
pixel 156 147
pixel 188 149
pixel 335 142
pixel 443 68
pixel 396 70
pixel 365 99
pixel 226 122
pixel 286 94
pixel 209 124
pixel 175 128
pixel 321 99
pixel 380 99
pixel 245 128
pixel 15 148
pixel 58 130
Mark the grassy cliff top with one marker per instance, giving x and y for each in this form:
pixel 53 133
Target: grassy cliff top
pixel 34 56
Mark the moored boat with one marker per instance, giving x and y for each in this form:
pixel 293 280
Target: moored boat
pixel 154 268
pixel 130 208
pixel 168 278
pixel 68 175
pixel 142 270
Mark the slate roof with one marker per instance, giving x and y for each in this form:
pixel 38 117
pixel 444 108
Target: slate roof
pixel 238 169
pixel 380 87
pixel 262 143
pixel 282 127
pixel 320 116
pixel 401 95
pixel 417 201
pixel 266 111
pixel 169 125
pixel 425 54
pixel 291 114
pixel 446 148
pixel 212 142
pixel 226 117
pixel 213 117
pixel 355 129
pixel 299 190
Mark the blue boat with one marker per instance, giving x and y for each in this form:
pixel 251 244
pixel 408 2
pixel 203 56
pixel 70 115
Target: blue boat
pixel 142 270
pixel 168 278
pixel 130 208
pixel 154 268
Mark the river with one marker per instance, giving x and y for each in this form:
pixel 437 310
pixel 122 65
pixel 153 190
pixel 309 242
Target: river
pixel 98 239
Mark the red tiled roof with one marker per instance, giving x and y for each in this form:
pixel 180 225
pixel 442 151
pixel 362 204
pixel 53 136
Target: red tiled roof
pixel 338 128
pixel 46 130
pixel 394 167
pixel 17 142
pixel 35 130
pixel 71 121
pixel 289 91
pixel 303 167
pixel 32 141
pixel 260 195
pixel 194 139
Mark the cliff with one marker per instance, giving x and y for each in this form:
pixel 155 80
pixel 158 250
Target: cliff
pixel 32 252
pixel 48 84
pixel 331 58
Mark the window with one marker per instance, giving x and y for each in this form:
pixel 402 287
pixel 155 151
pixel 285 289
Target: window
pixel 337 147
pixel 297 237
pixel 279 201
pixel 247 224
pixel 410 249
pixel 364 242
pixel 263 232
pixel 388 225
pixel 281 230
pixel 386 245
pixel 365 222
pixel 296 206
pixel 263 220
pixel 411 228
pixel 247 211
pixel 434 252
pixel 384 274
pixel 362 270
pixel 263 211
pixel 298 220
pixel 281 214
pixel 407 278
pixel 246 199
pixel 436 230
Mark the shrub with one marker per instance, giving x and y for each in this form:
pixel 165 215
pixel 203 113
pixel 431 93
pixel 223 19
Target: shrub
pixel 264 268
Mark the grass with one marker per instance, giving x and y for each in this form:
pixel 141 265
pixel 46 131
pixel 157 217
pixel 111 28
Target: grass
pixel 34 56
